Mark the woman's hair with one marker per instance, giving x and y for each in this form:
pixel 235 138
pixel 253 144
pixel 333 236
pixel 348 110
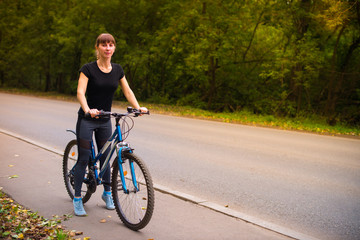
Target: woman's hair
pixel 104 38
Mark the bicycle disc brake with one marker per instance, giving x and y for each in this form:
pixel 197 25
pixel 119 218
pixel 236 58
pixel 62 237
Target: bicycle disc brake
pixel 71 179
pixel 91 181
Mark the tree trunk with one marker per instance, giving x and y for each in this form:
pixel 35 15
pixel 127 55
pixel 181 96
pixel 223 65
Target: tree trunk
pixel 332 93
pixel 2 78
pixel 47 75
pixel 253 35
pixel 212 81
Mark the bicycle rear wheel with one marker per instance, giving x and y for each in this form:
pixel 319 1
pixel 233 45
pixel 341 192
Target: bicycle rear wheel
pixel 134 208
pixel 69 161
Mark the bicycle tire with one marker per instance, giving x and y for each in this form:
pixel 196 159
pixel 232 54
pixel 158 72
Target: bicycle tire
pixel 69 160
pixel 135 209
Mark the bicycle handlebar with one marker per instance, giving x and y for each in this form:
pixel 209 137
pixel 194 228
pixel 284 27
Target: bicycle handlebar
pixel 130 110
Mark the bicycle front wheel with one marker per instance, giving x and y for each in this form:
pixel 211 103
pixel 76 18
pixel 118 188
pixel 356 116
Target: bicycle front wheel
pixel 69 161
pixel 136 205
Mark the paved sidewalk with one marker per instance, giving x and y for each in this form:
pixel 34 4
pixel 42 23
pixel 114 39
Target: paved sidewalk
pixel 40 187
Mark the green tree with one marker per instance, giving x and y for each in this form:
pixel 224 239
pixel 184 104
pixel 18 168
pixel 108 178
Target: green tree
pixel 271 57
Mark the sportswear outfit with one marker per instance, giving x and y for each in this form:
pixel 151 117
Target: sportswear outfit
pixel 99 94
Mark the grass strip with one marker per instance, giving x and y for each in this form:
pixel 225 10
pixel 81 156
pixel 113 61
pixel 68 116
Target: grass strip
pixel 314 123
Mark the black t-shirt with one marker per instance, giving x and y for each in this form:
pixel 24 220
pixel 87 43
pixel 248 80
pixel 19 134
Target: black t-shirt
pixel 101 86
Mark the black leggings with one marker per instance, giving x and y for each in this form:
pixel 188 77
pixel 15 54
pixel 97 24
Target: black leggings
pixel 84 132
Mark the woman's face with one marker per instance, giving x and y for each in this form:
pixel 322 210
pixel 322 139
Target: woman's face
pixel 106 50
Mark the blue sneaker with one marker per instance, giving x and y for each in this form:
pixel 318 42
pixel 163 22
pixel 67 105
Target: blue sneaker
pixel 108 200
pixel 79 207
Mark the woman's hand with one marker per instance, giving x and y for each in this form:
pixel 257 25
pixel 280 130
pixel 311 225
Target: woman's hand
pixel 94 112
pixel 143 109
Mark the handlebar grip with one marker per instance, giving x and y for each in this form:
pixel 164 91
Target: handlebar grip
pixel 102 113
pixel 138 113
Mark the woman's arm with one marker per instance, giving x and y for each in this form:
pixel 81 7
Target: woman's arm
pixel 129 94
pixel 81 90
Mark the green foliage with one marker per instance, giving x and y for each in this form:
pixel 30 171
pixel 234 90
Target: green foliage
pixel 282 58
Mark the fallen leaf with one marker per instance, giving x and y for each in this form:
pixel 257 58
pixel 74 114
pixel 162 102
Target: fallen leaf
pixel 10 165
pixel 109 216
pixel 86 238
pixel 78 233
pixel 103 220
pixel 226 205
pixel 13 176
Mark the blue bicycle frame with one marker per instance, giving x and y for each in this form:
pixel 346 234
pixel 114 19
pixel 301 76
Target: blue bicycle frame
pixel 115 142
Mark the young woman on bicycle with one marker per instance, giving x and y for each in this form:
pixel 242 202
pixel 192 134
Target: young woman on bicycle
pixel 99 80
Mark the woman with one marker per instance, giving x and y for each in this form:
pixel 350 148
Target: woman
pixel 99 80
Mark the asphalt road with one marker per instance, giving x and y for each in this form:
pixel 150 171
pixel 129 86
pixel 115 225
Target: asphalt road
pixel 39 187
pixel 305 182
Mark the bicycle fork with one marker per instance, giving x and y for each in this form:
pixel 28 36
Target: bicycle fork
pixel 124 147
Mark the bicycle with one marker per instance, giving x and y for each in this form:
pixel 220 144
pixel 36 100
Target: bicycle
pixel 131 182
